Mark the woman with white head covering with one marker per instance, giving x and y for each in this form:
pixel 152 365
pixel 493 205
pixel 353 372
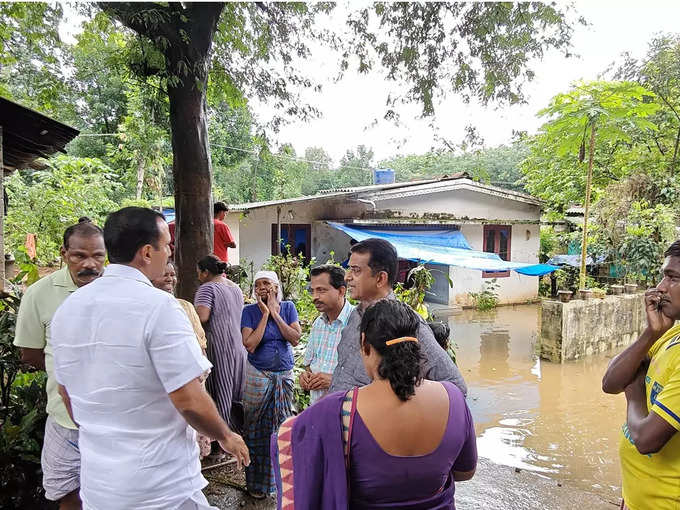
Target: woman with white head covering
pixel 270 328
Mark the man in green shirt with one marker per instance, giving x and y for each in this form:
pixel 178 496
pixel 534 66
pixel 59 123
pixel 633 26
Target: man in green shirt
pixel 84 253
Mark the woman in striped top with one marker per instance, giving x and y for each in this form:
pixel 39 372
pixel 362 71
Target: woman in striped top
pixel 219 303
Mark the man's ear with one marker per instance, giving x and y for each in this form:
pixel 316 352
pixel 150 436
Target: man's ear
pixel 145 252
pixel 382 279
pixel 62 251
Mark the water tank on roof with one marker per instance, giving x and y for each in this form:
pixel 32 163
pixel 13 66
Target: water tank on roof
pixel 383 176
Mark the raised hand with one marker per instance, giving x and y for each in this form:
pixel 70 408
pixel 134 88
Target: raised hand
pixel 657 322
pixel 273 302
pixel 262 305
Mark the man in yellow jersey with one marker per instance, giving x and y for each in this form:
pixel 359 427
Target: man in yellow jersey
pixel 648 371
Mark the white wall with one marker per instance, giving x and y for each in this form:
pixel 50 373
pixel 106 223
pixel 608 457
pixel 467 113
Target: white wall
pixel 515 288
pixel 232 222
pixel 255 228
pixel 462 204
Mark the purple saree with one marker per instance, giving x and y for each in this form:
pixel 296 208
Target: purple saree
pixel 311 475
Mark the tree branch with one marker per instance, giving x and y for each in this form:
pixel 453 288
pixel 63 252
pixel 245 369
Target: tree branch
pixel 130 14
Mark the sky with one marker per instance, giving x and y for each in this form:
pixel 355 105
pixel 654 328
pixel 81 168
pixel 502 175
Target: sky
pixel 349 107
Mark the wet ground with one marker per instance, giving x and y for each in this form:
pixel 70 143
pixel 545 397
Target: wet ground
pixel 547 436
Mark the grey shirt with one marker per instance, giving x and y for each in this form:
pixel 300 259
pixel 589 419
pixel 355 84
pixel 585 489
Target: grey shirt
pixel 350 371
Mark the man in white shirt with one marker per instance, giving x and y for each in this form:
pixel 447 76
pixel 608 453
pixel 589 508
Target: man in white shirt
pixel 127 362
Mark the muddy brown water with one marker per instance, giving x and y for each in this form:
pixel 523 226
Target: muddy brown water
pixel 550 419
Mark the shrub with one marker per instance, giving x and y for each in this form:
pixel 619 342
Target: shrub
pixel 487 298
pixel 22 415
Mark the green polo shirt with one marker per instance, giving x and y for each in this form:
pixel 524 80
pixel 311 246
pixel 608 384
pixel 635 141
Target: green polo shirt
pixel 38 305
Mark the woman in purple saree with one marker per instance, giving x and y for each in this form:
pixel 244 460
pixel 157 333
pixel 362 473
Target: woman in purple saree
pixel 400 442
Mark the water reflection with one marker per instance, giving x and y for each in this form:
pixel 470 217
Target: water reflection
pixel 532 414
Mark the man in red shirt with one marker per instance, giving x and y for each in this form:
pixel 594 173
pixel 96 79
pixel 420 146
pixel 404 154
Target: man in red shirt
pixel 222 238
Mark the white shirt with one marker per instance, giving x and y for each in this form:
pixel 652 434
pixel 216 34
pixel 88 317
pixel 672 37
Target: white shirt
pixel 120 346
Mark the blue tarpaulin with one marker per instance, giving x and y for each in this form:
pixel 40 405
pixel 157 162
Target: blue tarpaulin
pixel 442 246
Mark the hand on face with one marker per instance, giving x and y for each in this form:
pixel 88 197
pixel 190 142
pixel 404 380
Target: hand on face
pixel 273 301
pixel 657 320
pixel 261 304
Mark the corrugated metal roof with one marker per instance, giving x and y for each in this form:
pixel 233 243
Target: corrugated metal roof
pixel 413 187
pixel 28 135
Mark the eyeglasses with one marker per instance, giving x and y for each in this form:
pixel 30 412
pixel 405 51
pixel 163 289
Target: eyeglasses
pixel 355 270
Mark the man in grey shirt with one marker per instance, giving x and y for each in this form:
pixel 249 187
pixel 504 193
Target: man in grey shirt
pixel 370 276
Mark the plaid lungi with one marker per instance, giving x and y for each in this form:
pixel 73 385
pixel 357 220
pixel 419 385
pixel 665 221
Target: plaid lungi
pixel 60 461
pixel 267 402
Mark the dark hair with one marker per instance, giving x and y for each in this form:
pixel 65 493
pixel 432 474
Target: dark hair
pixel 336 274
pixel 441 332
pixel 219 207
pixel 84 228
pixel 383 256
pixel 128 229
pixel 673 250
pixel 212 264
pixel 385 320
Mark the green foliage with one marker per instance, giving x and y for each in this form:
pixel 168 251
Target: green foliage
pixel 499 165
pixel 419 280
pixel 487 298
pixel 549 244
pixel 567 278
pixel 621 112
pixel 649 231
pixel 22 415
pixel 143 149
pixel 293 272
pixel 500 41
pixel 45 202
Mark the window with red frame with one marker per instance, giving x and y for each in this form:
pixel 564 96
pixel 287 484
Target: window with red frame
pixel 497 240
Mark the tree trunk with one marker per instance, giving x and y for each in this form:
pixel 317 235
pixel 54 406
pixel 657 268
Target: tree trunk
pixel 675 151
pixel 586 210
pixel 140 177
pixel 191 169
pixel 187 30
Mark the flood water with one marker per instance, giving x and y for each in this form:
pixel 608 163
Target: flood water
pixel 532 414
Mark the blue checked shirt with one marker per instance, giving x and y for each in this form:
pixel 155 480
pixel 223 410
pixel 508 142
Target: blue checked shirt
pixel 321 354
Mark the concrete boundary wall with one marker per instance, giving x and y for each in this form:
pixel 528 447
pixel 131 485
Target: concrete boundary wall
pixel 570 331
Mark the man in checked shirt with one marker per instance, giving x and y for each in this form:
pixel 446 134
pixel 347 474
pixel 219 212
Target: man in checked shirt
pixel 321 355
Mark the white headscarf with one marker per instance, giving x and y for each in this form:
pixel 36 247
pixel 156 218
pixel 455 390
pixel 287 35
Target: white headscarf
pixel 272 277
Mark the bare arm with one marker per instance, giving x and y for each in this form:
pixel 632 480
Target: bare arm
pixel 253 337
pixel 649 431
pixel 199 410
pixel 231 245
pixel 203 313
pixel 290 333
pixel 33 357
pixel 67 401
pixel 622 369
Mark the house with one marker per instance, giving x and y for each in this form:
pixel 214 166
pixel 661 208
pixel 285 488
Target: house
pixel 25 135
pixel 478 217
